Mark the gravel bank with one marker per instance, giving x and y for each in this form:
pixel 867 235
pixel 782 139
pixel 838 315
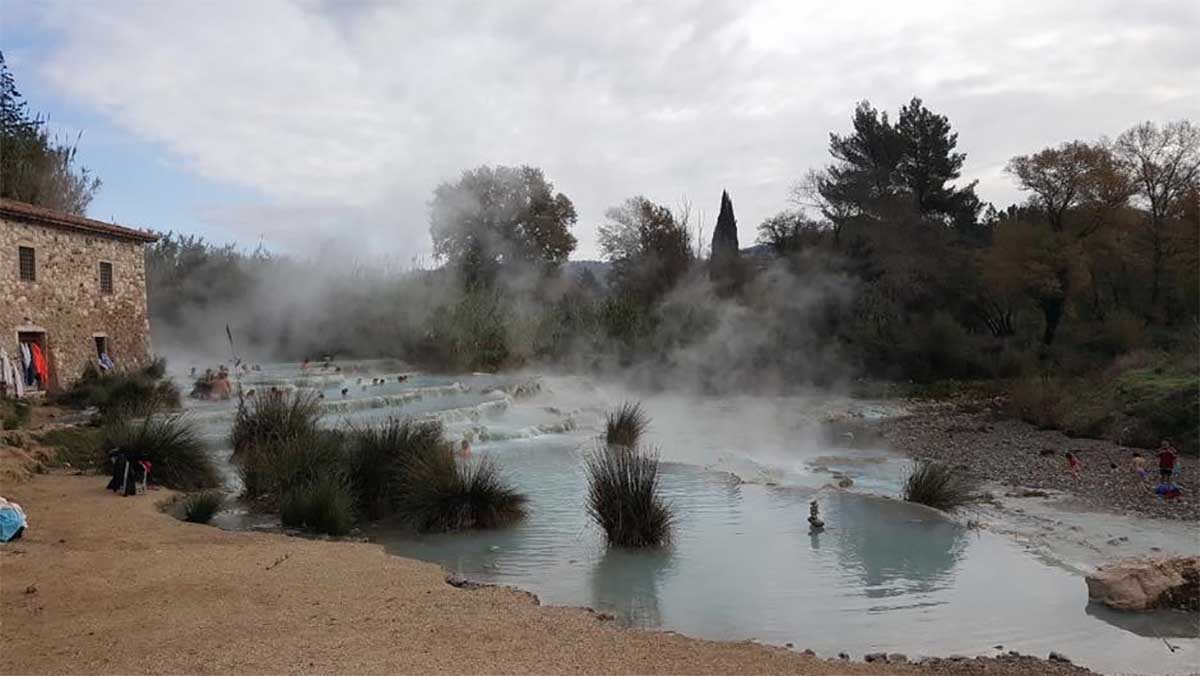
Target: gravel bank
pixel 103 584
pixel 1021 456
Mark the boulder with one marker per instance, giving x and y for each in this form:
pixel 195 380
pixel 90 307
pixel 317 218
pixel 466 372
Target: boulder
pixel 1148 583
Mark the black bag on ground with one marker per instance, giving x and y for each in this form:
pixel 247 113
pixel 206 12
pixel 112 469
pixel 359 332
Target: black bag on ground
pixel 127 471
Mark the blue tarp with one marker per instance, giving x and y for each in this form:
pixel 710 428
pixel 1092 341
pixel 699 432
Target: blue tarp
pixel 12 520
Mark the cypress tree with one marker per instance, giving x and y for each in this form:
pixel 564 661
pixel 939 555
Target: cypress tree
pixel 725 239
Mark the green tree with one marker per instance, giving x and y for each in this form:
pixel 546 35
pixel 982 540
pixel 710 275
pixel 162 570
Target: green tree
pixel 1076 187
pixel 650 250
pixel 1164 165
pixel 882 169
pixel 929 164
pixel 497 217
pixel 863 174
pixel 34 167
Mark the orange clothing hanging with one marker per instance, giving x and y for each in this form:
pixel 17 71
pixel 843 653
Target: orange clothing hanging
pixel 39 364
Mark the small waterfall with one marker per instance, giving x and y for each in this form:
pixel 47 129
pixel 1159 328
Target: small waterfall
pixel 392 400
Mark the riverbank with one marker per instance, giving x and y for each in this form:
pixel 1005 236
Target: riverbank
pixel 1023 458
pixel 104 584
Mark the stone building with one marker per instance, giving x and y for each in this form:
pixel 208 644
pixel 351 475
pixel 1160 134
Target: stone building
pixel 73 286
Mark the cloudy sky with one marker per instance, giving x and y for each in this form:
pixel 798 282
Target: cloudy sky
pixel 322 127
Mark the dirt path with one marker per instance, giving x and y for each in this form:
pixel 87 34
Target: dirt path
pixel 104 584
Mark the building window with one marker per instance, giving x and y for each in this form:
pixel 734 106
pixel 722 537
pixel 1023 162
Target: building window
pixel 106 278
pixel 28 269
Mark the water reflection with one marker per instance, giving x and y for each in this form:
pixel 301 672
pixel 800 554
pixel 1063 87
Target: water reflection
pixel 626 583
pixel 1153 624
pixel 896 548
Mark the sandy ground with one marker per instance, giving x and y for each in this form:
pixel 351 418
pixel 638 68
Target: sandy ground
pixel 106 584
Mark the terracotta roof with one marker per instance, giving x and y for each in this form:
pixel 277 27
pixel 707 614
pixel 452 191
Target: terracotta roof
pixel 57 219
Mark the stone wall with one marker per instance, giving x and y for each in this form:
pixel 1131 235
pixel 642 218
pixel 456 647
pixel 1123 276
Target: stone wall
pixel 65 301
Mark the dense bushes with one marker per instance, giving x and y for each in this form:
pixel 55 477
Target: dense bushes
pixel 380 457
pixel 123 393
pixel 323 504
pixel 438 494
pixel 14 413
pixel 324 479
pixel 938 485
pixel 1142 398
pixel 171 444
pixel 275 416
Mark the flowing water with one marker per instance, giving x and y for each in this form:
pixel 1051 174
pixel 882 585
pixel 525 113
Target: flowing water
pixel 740 473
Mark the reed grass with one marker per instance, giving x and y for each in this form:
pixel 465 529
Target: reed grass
pixel 624 497
pixel 938 485
pixel 625 425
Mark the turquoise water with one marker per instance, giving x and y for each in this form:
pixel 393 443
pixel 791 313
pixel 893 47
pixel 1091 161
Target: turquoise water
pixel 739 473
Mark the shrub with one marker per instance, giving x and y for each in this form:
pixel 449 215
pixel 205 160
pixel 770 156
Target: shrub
pixel 625 426
pixel 274 468
pixel 200 507
pixel 324 505
pixel 1037 401
pixel 14 413
pixel 156 369
pixel 440 495
pixel 80 447
pixel 623 497
pixel 123 393
pixel 172 444
pixel 379 458
pixel 938 485
pixel 275 416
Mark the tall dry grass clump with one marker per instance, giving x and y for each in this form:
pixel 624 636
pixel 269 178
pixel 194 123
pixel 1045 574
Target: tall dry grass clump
pixel 171 444
pixel 275 416
pixel 324 505
pixel 123 394
pixel 440 494
pixel 938 485
pixel 625 425
pixel 201 507
pixel 624 498
pixel 379 457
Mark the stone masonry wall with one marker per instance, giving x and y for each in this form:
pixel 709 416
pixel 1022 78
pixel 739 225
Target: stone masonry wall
pixel 65 301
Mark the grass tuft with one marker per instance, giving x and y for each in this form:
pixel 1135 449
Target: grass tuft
pixel 625 425
pixel 379 458
pixel 171 443
pixel 324 505
pixel 200 507
pixel 439 494
pixel 14 413
pixel 276 468
pixel 624 498
pixel 123 393
pixel 273 417
pixel 938 485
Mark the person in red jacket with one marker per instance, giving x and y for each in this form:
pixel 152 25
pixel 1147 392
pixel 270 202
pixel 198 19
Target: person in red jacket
pixel 1167 456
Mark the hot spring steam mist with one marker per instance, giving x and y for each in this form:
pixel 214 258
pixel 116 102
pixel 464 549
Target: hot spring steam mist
pixel 775 336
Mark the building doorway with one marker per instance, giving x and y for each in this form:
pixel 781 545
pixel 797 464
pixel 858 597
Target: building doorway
pixel 34 341
pixel 102 356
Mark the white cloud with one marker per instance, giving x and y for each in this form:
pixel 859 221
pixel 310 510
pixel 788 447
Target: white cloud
pixel 333 108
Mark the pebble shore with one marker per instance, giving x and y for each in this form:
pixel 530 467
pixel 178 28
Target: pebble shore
pixel 993 448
